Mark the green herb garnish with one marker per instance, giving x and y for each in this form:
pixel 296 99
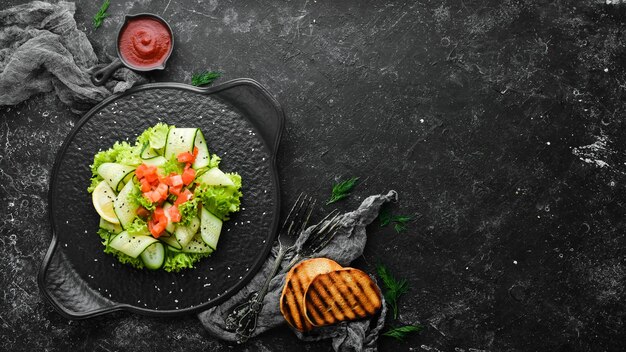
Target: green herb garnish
pixel 204 78
pixel 399 333
pixel 342 189
pixel 395 288
pixel 400 221
pixel 99 17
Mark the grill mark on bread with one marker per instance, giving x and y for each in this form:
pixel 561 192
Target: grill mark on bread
pixel 371 305
pixel 315 307
pixel 335 298
pixel 293 308
pixel 358 305
pixel 346 298
pixel 324 295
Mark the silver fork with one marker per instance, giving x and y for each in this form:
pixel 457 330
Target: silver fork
pixel 243 318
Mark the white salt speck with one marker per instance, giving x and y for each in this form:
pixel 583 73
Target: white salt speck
pixel 247 269
pixel 263 241
pixel 211 269
pixel 67 222
pixel 606 70
pixel 207 285
pixel 228 276
pixel 228 267
pixel 248 221
pixel 240 278
pixel 467 268
pixel 85 231
pixel 421 120
pixel 79 148
pixel 515 262
pixel 65 245
pixel 170 292
pixel 548 143
pixel 175 301
pixel 95 260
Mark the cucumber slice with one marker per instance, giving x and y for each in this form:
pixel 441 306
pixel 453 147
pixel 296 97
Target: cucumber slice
pixel 115 174
pixel 147 152
pixel 124 206
pixel 210 228
pixel 203 158
pixel 184 234
pixel 215 177
pixel 156 161
pixel 197 245
pixel 170 225
pixel 171 241
pixel 114 228
pixel 180 140
pixel 131 245
pixel 153 257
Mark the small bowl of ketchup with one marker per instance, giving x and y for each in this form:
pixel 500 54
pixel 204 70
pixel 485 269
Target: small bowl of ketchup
pixel 144 43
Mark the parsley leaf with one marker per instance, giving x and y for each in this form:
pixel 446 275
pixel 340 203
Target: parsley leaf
pixel 342 189
pixel 99 17
pixel 204 78
pixel 399 333
pixel 394 288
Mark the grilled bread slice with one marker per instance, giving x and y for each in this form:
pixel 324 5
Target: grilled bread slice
pixel 346 294
pixel 296 283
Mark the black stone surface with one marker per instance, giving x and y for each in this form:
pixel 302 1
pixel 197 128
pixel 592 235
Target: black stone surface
pixel 500 123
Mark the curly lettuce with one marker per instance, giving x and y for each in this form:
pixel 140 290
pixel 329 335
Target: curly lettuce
pixel 177 261
pixel 155 136
pixel 121 152
pixel 220 200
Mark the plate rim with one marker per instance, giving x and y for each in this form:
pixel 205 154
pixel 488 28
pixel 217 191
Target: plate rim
pixel 117 306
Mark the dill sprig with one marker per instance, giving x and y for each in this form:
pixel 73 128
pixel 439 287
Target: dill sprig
pixel 342 189
pixel 400 221
pixel 399 333
pixel 394 288
pixel 204 78
pixel 99 17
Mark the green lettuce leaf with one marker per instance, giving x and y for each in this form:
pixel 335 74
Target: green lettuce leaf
pixel 121 152
pixel 219 200
pixel 156 136
pixel 188 211
pixel 138 228
pixel 176 261
pixel 138 199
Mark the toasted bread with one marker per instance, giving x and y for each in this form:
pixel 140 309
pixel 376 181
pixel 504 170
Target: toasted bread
pixel 346 294
pixel 296 283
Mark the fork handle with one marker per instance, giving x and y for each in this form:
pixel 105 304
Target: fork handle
pixel 279 259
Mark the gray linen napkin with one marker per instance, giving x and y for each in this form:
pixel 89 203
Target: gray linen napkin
pixel 346 246
pixel 41 50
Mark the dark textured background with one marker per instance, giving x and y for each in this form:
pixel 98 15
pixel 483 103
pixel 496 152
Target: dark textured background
pixel 500 123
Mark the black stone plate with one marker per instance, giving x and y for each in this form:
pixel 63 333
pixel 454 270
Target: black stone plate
pixel 242 123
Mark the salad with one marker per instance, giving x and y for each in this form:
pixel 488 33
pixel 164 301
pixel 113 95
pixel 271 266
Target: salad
pixel 162 201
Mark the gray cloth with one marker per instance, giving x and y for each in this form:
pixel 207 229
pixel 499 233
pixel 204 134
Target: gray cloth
pixel 41 50
pixel 346 246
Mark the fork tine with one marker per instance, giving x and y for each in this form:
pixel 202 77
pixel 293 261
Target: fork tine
pixel 290 214
pixel 308 211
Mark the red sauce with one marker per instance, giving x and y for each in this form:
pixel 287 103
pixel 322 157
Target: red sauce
pixel 145 42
